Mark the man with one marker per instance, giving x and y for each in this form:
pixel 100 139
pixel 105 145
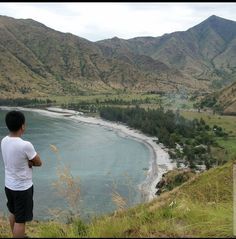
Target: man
pixel 18 156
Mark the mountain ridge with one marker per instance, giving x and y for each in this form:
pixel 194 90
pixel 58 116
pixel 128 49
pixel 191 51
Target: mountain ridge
pixel 51 62
pixel 198 52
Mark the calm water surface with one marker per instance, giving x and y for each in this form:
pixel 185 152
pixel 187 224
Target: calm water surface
pixel 101 158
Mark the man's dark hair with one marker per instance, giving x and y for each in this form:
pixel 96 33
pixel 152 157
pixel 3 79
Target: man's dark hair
pixel 14 120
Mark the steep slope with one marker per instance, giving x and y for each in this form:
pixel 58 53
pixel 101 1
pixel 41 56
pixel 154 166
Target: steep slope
pixel 201 207
pixel 48 55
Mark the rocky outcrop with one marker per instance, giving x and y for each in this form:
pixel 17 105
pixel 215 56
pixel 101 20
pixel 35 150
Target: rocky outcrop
pixel 172 179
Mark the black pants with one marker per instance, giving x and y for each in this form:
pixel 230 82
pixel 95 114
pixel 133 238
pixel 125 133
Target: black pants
pixel 20 204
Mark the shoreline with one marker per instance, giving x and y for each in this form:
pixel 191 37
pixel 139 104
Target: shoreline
pixel 159 162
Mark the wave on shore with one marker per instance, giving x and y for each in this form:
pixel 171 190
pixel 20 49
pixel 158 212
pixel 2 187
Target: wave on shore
pixel 160 161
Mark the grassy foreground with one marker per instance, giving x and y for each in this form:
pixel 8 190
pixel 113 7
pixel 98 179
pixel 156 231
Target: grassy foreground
pixel 201 207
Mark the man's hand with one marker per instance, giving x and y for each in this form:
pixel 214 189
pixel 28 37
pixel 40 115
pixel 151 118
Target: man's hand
pixel 36 161
pixel 30 163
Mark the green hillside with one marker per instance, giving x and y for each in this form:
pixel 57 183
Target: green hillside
pixel 201 207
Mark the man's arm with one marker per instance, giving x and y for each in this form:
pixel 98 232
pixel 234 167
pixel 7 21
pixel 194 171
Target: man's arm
pixel 36 161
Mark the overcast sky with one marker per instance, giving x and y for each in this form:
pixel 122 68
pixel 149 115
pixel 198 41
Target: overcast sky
pixel 96 21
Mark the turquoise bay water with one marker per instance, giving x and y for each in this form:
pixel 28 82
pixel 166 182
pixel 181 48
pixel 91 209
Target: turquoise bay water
pixel 102 159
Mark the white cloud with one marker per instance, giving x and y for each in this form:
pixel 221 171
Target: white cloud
pixel 97 21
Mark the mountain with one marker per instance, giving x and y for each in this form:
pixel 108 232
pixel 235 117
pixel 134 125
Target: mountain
pixel 204 53
pixel 39 61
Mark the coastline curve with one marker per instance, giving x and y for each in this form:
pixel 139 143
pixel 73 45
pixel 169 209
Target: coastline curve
pixel 159 163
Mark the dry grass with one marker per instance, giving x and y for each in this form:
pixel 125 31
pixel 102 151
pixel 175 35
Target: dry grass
pixel 119 201
pixel 67 187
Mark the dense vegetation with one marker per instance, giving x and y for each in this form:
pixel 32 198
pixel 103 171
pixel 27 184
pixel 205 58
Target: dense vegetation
pixel 210 101
pixel 26 102
pixel 190 139
pixel 95 105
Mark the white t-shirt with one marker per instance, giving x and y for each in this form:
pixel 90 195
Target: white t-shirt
pixel 15 153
